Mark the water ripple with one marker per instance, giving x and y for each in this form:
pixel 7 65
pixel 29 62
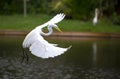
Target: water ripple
pixel 50 69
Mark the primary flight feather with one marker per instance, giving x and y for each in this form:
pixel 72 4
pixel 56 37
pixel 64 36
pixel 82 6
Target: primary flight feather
pixel 38 45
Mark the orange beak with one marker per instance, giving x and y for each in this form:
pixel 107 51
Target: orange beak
pixel 59 29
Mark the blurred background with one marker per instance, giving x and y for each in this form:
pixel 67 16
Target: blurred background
pixel 74 9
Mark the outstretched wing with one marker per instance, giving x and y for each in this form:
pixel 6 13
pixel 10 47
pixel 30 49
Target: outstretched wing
pixel 57 18
pixel 54 20
pixel 39 46
pixel 42 48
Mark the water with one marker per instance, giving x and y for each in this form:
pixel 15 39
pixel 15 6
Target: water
pixel 87 59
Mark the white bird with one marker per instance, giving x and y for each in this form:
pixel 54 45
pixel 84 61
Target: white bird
pixel 38 45
pixel 95 19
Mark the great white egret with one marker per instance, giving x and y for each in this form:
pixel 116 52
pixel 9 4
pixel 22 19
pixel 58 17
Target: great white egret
pixel 95 19
pixel 38 45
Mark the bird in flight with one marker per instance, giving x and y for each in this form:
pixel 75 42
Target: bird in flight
pixel 38 45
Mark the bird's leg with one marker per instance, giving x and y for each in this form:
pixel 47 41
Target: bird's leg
pixel 25 55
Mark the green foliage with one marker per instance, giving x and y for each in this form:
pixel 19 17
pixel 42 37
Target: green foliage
pixel 10 6
pixel 81 9
pixel 16 6
pixel 75 9
pixel 115 19
pixel 39 6
pixel 22 23
pixel 19 22
pixel 84 9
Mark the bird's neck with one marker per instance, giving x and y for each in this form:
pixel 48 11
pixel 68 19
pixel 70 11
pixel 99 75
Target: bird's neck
pixel 49 32
pixel 96 14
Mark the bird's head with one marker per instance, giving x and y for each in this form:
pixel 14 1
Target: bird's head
pixel 97 10
pixel 55 26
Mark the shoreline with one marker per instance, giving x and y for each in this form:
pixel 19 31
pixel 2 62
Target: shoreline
pixel 64 34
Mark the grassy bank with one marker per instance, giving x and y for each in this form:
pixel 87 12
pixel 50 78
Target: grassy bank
pixel 18 22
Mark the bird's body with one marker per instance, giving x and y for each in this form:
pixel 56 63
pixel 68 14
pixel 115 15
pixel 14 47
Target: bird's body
pixel 38 45
pixel 95 19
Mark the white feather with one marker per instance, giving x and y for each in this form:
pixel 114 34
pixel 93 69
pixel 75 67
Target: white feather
pixel 57 18
pixel 95 19
pixel 39 46
pixel 46 50
pixel 54 20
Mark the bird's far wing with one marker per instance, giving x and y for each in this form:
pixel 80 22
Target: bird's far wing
pixel 41 48
pixel 57 18
pixel 54 20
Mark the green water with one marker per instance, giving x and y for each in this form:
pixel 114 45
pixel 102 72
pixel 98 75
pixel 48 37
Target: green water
pixel 87 59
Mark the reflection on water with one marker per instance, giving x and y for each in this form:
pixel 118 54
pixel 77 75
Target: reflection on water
pixel 94 52
pixel 87 59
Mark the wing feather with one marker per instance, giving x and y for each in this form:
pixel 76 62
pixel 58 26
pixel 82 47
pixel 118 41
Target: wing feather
pixel 39 46
pixel 57 18
pixel 54 20
pixel 44 49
